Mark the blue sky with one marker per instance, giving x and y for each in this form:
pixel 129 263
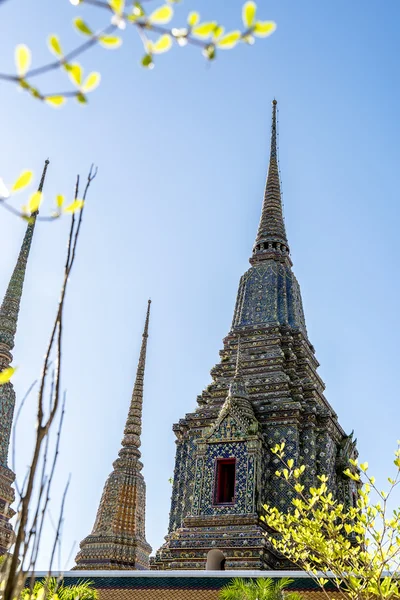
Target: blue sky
pixel 182 153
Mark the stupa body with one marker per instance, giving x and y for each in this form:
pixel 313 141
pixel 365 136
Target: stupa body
pixel 118 539
pixel 9 312
pixel 224 468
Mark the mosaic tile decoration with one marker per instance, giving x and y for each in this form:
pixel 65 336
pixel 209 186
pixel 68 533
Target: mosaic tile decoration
pixel 118 539
pixel 9 312
pixel 278 397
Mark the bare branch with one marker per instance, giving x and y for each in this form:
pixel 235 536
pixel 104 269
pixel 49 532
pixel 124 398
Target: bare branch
pixel 14 430
pixel 16 574
pixel 59 525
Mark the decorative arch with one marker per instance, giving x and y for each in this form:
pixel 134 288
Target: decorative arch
pixel 215 560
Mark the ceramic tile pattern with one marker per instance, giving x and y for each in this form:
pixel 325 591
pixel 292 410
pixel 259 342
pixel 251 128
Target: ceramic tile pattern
pixel 9 312
pixel 265 389
pixel 118 539
pixel 278 397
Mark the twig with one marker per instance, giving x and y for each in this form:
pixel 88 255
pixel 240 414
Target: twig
pixel 15 576
pixel 60 521
pixel 73 54
pixel 48 488
pixel 14 429
pixel 142 24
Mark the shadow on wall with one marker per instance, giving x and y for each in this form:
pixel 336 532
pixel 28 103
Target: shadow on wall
pixel 215 560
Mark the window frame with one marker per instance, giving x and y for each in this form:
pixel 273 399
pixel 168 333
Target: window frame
pixel 218 462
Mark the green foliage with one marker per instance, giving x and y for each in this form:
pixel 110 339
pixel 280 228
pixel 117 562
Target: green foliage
pixel 22 59
pixel 161 15
pixel 53 589
pixel 259 589
pixel 22 181
pixel 81 26
pixel 6 375
pixel 35 199
pixel 54 45
pixel 359 545
pixel 156 33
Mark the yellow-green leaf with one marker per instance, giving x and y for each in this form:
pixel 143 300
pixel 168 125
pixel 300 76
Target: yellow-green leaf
pixel 91 82
pixel 23 180
pixel 264 28
pixel 81 98
pixel 54 45
pixel 249 13
pixel 110 41
pixel 229 40
pixel 40 594
pixel 74 206
pixel 22 59
pixel 217 33
pixel 138 10
pixel 248 39
pixel 6 375
pixel 117 6
pixel 204 30
pixel 75 73
pixel 209 52
pixel 161 15
pixel 82 27
pixel 163 44
pixel 147 61
pixel 60 200
pixel 193 18
pixel 34 202
pixel 55 100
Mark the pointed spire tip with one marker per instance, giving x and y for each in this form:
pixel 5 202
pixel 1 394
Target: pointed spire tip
pixel 46 164
pixel 271 241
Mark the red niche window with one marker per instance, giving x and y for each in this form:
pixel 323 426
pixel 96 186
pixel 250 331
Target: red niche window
pixel 225 476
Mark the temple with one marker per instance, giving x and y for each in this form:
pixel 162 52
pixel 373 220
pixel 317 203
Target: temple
pixel 264 390
pixel 9 312
pixel 118 538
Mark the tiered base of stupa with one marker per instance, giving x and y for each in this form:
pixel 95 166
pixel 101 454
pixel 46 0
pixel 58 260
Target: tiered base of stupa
pixel 241 539
pixel 112 553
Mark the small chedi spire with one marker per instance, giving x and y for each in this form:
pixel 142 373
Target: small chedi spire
pixel 9 312
pixel 237 402
pixel 118 539
pixel 131 441
pixel 237 386
pixel 271 236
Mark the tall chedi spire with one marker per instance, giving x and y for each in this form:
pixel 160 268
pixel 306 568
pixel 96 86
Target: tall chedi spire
pixel 9 312
pixel 224 469
pixel 271 236
pixel 118 538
